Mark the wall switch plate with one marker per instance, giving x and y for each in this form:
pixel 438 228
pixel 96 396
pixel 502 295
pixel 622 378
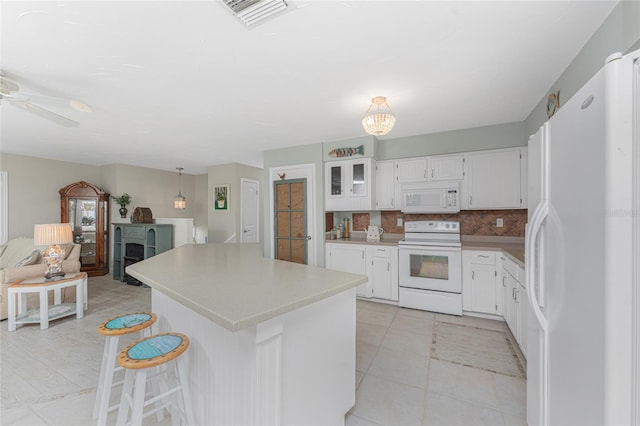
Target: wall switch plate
pixel 399 221
pixel 499 223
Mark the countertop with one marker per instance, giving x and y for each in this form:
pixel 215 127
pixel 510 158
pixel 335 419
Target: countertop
pixel 512 246
pixel 361 238
pixel 235 286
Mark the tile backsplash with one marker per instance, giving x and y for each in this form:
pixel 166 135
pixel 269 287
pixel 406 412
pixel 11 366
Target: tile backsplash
pixel 472 222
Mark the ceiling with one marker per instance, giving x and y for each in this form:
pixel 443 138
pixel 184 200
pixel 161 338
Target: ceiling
pixel 185 84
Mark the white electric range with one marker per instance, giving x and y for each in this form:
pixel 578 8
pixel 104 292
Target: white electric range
pixel 430 267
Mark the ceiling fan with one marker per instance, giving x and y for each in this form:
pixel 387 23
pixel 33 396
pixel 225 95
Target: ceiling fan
pixel 10 92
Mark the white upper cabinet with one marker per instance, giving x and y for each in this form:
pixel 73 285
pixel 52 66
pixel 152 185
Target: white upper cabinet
pixel 411 169
pixel 446 167
pixel 349 185
pixel 386 185
pixel 494 180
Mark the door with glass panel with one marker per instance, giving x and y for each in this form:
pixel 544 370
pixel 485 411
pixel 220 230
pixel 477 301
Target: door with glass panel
pixel 291 220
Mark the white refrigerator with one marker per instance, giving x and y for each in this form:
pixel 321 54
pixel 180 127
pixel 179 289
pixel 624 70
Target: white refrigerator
pixel 582 255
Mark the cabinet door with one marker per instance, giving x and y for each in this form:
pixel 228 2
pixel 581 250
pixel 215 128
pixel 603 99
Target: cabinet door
pixel 483 289
pixel 381 278
pixel 411 170
pixel 523 308
pixel 494 180
pixel 450 167
pixel 334 185
pixel 385 185
pixel 359 176
pixel 348 258
pixel 511 305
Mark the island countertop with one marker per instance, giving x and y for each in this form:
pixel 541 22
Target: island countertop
pixel 235 286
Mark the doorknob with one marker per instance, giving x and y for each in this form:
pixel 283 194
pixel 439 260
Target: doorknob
pixel 308 237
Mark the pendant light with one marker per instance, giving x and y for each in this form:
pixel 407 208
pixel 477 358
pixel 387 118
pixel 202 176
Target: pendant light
pixel 379 119
pixel 180 202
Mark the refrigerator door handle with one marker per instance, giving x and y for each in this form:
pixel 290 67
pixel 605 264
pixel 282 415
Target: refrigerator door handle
pixel 531 260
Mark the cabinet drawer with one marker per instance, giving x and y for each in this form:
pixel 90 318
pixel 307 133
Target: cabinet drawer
pixel 381 252
pixel 483 258
pixel 134 232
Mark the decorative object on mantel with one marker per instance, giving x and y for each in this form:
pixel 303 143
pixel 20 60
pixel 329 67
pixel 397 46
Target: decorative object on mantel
pixel 221 198
pixel 52 234
pixel 346 152
pixel 180 202
pixel 553 103
pixel 379 119
pixel 124 200
pixel 142 215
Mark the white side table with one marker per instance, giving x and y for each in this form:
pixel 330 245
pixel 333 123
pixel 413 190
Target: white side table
pixel 46 312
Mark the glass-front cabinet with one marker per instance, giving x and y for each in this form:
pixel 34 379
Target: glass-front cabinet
pixel 349 185
pixel 86 208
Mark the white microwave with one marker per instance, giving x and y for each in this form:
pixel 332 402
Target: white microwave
pixel 422 197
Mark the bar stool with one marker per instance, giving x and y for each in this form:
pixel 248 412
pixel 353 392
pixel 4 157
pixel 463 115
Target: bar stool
pixel 149 352
pixel 113 329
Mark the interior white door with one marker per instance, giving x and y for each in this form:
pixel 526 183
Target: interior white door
pixel 249 211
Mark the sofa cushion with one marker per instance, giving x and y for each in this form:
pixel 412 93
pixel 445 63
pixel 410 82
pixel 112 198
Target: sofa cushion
pixel 31 259
pixel 17 249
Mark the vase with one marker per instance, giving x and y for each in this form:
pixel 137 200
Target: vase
pixel 220 203
pixel 123 212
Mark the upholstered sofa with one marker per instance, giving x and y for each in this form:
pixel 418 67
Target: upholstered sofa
pixel 20 259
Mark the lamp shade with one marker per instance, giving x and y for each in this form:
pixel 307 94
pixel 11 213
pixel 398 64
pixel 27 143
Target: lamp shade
pixel 379 119
pixel 52 233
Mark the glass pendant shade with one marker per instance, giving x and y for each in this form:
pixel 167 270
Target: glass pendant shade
pixel 180 202
pixel 379 119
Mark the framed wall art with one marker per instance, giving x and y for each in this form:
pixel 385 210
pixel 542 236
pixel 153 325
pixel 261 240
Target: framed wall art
pixel 221 198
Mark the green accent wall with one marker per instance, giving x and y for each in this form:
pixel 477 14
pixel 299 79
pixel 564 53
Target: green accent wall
pixel 463 140
pixel 620 32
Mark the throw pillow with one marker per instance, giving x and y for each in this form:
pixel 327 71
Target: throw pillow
pixel 67 249
pixel 31 259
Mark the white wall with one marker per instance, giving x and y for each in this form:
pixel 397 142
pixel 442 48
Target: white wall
pixel 33 185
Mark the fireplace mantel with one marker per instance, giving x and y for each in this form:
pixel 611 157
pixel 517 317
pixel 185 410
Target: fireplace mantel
pixel 155 239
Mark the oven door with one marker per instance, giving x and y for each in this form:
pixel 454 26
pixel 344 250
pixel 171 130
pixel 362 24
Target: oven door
pixel 431 268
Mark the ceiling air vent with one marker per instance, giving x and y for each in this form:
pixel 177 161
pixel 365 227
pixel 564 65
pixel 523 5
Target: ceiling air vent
pixel 251 12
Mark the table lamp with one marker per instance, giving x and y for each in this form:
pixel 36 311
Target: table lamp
pixel 52 234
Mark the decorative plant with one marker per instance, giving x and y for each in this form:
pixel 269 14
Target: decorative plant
pixel 220 196
pixel 123 200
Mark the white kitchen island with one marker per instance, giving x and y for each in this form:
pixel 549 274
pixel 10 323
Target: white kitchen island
pixel 272 342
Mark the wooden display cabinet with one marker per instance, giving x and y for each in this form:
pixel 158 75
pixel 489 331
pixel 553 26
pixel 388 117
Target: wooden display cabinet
pixel 86 208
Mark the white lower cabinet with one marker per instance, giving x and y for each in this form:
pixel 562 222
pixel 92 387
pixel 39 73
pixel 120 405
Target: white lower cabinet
pixel 480 286
pixel 383 272
pixel 348 258
pixel 515 301
pixel 379 263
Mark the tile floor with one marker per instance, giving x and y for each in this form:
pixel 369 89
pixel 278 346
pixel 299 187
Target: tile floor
pixel 421 368
pixel 413 367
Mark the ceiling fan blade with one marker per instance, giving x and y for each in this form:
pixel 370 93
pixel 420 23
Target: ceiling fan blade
pixel 74 104
pixel 41 112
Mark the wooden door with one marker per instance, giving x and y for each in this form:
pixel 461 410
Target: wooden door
pixel 291 220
